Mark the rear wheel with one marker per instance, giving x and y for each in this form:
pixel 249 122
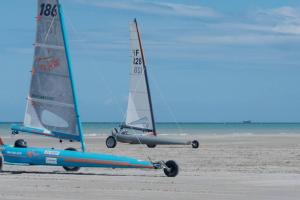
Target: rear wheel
pixel 71 169
pixel 151 145
pixel 14 132
pixel 195 144
pixel 20 143
pixel 111 142
pixel 172 169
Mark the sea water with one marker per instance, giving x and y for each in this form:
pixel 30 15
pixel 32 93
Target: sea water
pixel 101 128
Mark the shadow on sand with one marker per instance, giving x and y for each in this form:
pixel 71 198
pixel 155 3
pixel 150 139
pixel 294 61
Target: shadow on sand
pixel 77 174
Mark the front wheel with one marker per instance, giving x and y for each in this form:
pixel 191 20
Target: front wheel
pixel 171 169
pixel 195 144
pixel 111 142
pixel 151 145
pixel 71 169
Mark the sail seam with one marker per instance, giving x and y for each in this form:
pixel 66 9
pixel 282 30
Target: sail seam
pixel 137 92
pixel 49 46
pixel 140 109
pixel 50 102
pixel 52 74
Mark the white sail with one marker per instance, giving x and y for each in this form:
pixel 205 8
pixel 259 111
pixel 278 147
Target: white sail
pixel 51 105
pixel 139 109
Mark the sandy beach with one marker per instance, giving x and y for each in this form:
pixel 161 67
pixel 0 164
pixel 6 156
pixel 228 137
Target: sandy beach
pixel 224 167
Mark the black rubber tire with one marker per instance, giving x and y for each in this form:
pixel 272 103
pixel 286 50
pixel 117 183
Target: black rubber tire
pixel 1 163
pixel 174 169
pixel 71 169
pixel 151 145
pixel 195 144
pixel 111 142
pixel 14 132
pixel 20 143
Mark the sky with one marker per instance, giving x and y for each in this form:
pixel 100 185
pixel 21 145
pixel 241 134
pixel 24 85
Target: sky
pixel 208 60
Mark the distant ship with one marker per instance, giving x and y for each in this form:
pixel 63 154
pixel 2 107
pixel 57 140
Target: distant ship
pixel 247 122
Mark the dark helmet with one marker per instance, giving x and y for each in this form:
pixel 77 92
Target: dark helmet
pixel 20 143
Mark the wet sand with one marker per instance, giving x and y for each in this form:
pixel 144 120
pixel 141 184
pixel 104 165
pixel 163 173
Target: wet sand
pixel 224 167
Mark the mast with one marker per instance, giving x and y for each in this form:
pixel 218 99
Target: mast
pixel 83 146
pixel 146 78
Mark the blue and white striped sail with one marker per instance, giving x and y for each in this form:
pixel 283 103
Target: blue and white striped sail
pixel 51 107
pixel 139 110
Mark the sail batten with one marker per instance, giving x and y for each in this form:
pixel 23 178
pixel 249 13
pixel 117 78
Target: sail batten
pixel 139 110
pixel 49 46
pixel 138 92
pixel 50 102
pixel 52 74
pixel 51 108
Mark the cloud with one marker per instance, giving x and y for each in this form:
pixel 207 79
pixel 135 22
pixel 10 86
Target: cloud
pixel 274 29
pixel 241 39
pixel 285 20
pixel 160 8
pixel 277 28
pixel 260 27
pixel 282 20
pixel 285 12
pixel 189 10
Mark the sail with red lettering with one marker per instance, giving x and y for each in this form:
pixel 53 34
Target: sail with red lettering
pixel 51 104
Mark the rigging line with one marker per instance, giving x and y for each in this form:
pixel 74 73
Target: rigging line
pixel 107 87
pixel 52 21
pixel 135 132
pixel 165 102
pixel 131 24
pixel 103 80
pixel 179 128
pixel 139 80
pixel 109 90
pixel 143 152
pixel 130 73
pixel 146 78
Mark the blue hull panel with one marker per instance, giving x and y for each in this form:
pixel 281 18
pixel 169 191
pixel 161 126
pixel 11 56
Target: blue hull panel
pixel 54 157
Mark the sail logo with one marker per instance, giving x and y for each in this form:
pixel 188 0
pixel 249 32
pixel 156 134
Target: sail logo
pixel 51 161
pixel 51 153
pixel 41 97
pixel 14 153
pixel 48 64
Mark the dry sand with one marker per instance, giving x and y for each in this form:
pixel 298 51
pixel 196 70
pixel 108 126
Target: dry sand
pixel 224 167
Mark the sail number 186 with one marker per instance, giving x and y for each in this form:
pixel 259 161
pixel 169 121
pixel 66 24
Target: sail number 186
pixel 48 9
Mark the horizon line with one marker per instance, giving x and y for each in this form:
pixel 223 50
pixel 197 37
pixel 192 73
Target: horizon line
pixel 184 122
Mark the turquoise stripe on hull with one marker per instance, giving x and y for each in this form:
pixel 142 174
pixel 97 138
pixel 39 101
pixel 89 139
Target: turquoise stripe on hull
pixel 54 157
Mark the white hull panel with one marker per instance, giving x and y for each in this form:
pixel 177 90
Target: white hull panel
pixel 148 140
